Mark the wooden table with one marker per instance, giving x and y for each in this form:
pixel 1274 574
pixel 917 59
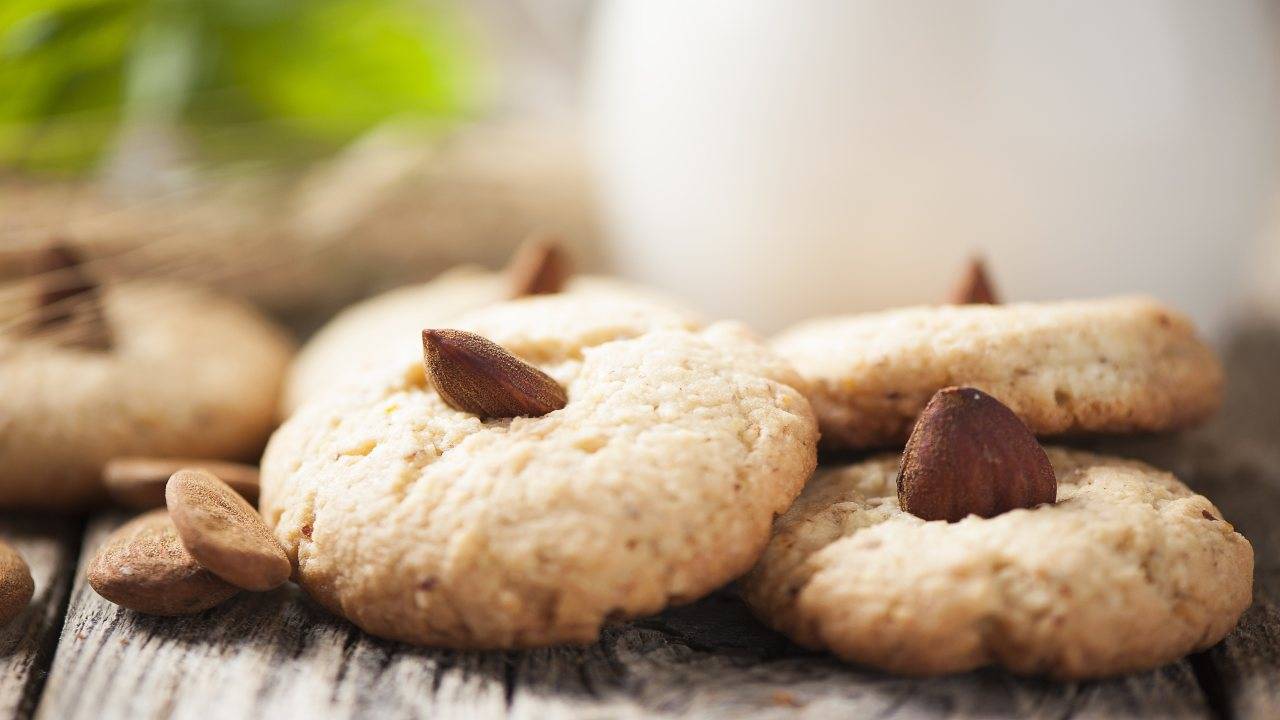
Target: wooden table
pixel 74 655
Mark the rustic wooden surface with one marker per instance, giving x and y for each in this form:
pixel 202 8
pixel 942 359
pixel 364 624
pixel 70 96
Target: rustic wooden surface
pixel 50 546
pixel 74 655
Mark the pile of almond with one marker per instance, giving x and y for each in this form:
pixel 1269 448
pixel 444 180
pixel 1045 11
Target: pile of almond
pixel 207 544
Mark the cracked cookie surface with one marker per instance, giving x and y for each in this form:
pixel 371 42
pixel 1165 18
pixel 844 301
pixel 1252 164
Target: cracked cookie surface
pixel 655 484
pixel 1113 365
pixel 361 337
pixel 1128 570
pixel 191 374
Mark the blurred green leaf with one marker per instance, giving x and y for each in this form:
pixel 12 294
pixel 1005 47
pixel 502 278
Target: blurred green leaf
pixel 305 73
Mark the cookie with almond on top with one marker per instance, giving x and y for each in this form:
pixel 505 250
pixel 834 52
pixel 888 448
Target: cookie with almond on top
pixel 1067 368
pixel 978 547
pixel 544 466
pixel 384 328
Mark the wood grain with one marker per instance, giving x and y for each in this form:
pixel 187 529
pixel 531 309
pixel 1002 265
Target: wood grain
pixel 257 655
pixel 279 654
pixel 49 546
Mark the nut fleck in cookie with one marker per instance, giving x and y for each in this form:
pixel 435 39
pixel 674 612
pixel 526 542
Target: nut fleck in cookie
pixel 651 480
pixel 176 372
pixel 1099 366
pixel 1127 570
pixel 368 333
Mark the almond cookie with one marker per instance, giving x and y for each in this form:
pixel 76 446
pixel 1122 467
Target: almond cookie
pixel 1127 570
pixel 1098 366
pixel 655 482
pixel 386 326
pixel 183 373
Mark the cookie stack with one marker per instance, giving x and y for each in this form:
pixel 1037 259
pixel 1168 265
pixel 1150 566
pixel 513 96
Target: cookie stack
pixel 509 460
pixel 976 546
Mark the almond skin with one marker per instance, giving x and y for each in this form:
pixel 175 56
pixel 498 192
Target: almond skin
pixel 224 533
pixel 540 266
pixel 16 585
pixel 139 482
pixel 69 295
pixel 975 286
pixel 970 455
pixel 144 567
pixel 477 376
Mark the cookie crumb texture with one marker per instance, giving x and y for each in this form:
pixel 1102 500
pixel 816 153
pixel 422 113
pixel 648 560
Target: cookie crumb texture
pixel 655 484
pixel 191 374
pixel 1128 571
pixel 1099 366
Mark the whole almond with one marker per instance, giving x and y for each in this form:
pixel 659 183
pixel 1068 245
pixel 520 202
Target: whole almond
pixel 144 567
pixel 477 376
pixel 16 585
pixel 540 266
pixel 139 482
pixel 224 533
pixel 968 454
pixel 975 286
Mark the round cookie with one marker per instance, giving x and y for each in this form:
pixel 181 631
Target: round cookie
pixel 655 484
pixel 1128 570
pixel 1113 365
pixel 188 374
pixel 385 327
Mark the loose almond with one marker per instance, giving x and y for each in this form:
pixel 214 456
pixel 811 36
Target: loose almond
pixel 970 455
pixel 540 266
pixel 139 482
pixel 224 533
pixel 477 376
pixel 16 585
pixel 69 301
pixel 144 567
pixel 975 287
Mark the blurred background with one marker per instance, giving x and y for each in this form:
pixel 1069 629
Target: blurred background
pixel 766 160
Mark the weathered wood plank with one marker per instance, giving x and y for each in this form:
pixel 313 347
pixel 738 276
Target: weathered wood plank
pixel 257 655
pixel 278 653
pixel 49 545
pixel 713 659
